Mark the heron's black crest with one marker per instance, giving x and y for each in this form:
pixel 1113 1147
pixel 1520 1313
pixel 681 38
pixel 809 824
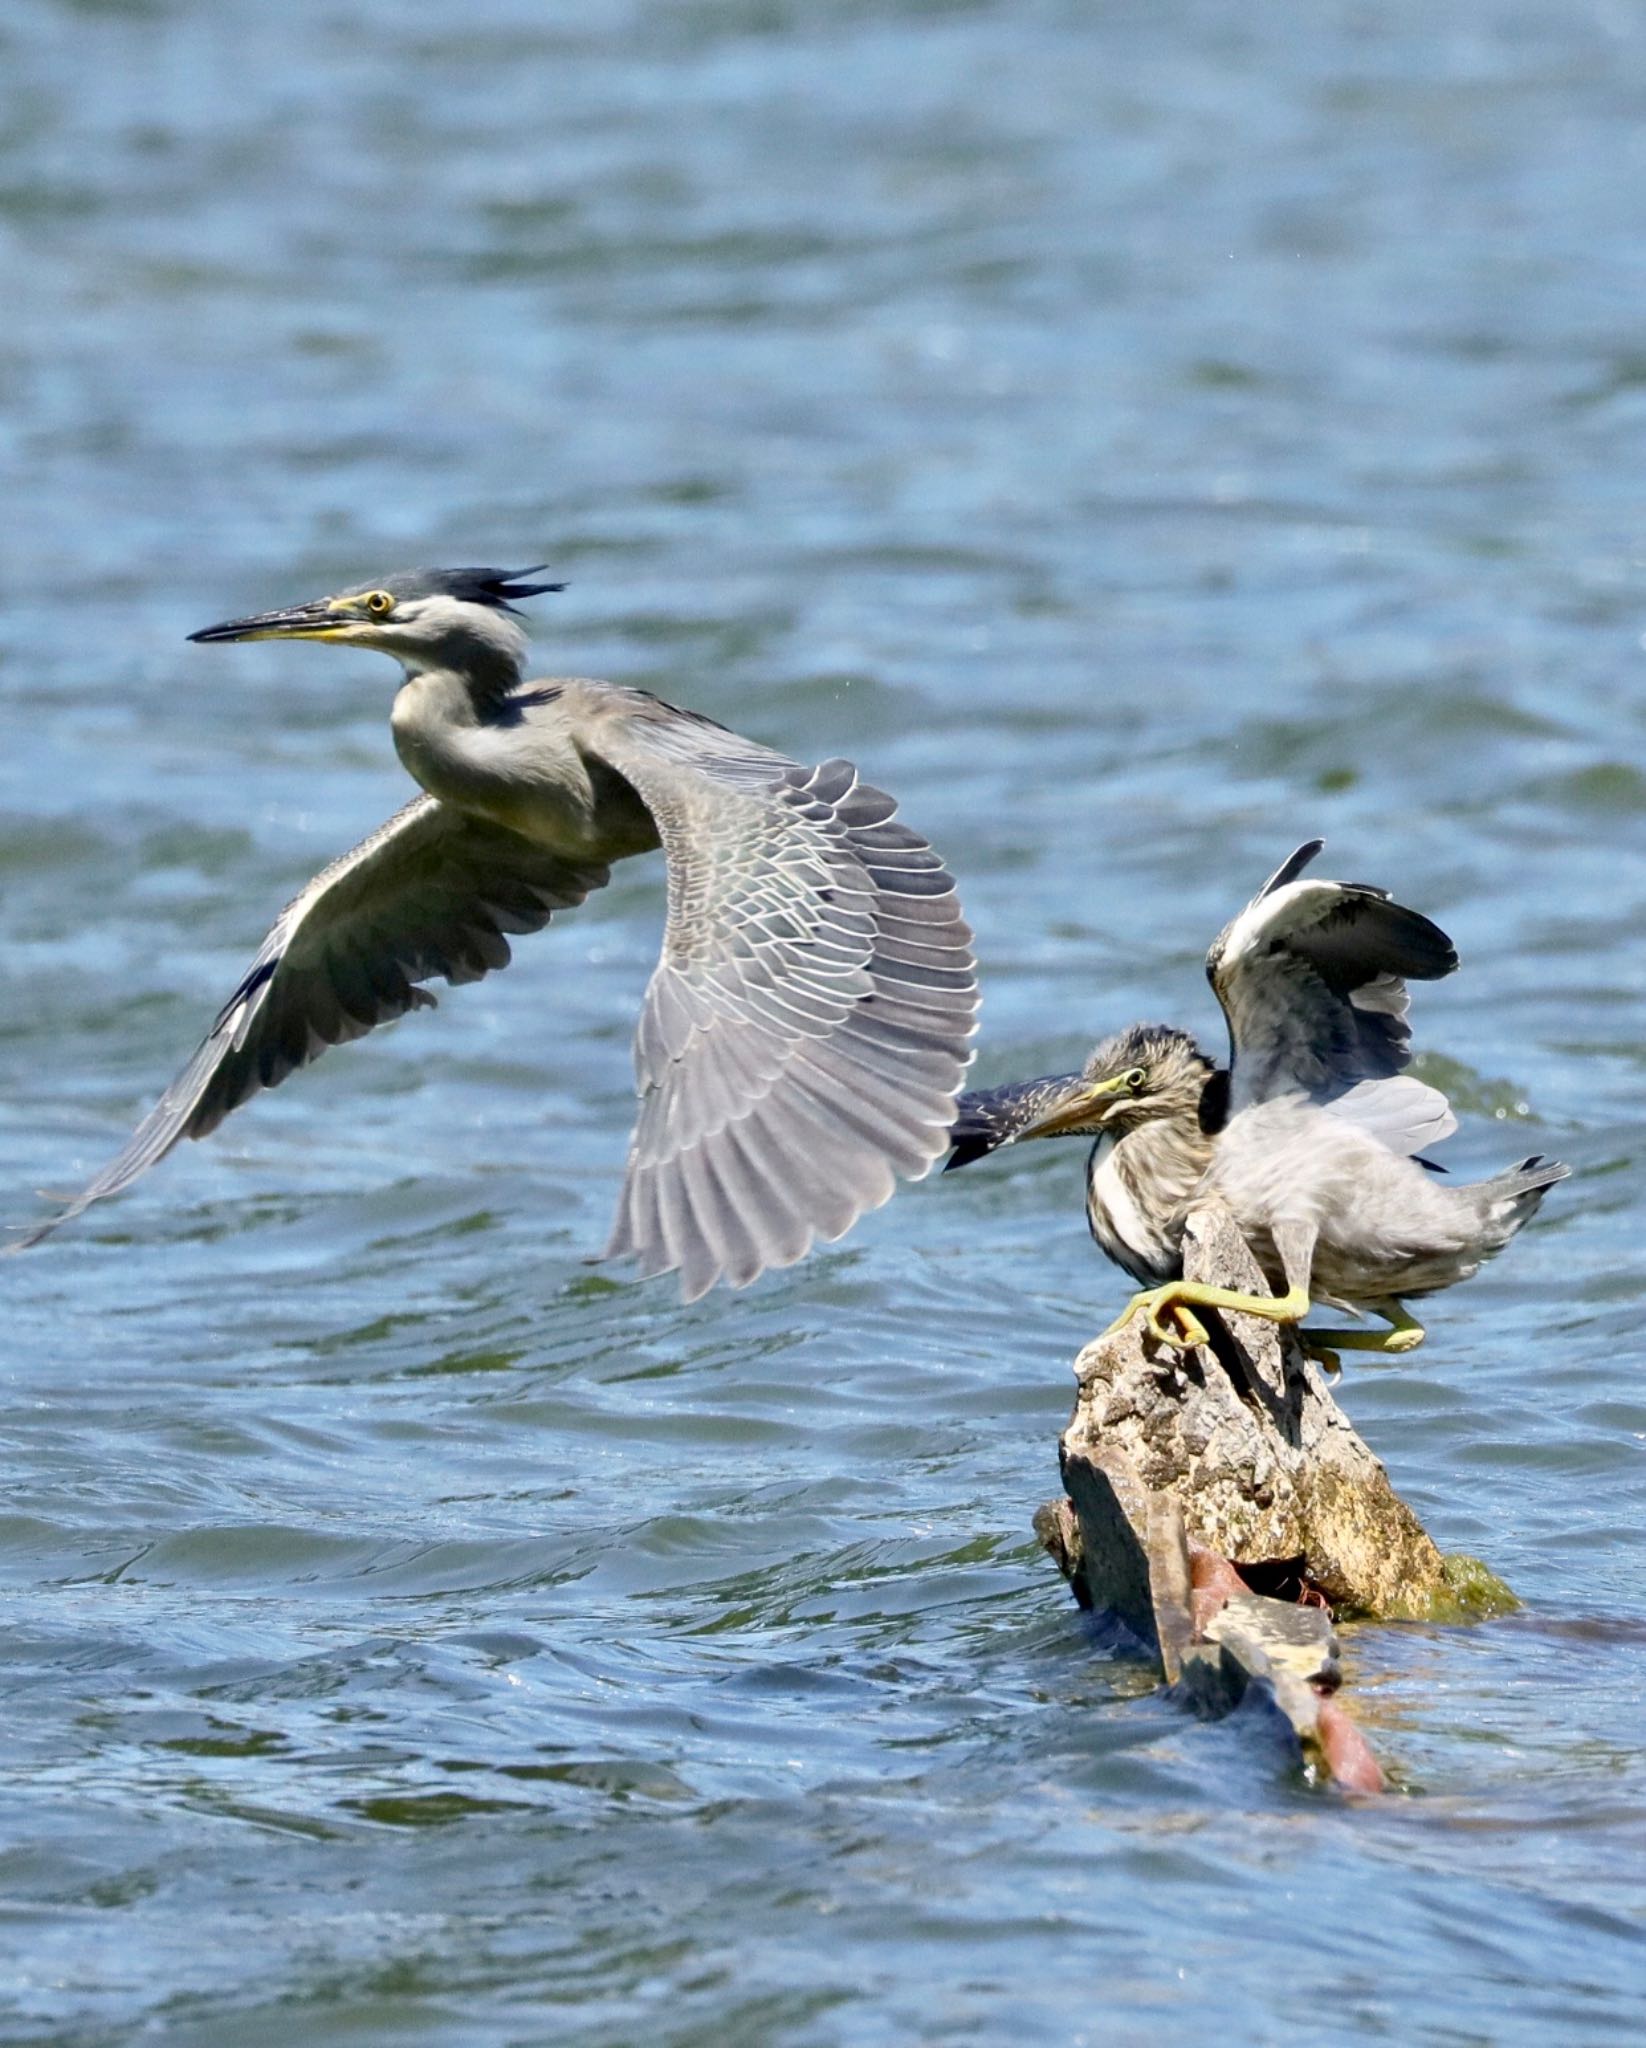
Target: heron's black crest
pixel 499 588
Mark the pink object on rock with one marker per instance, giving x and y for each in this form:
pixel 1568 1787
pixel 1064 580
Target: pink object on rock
pixel 1215 1580
pixel 1348 1755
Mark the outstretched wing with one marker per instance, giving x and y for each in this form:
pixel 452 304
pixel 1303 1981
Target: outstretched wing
pixel 1312 978
pixel 806 1030
pixel 431 893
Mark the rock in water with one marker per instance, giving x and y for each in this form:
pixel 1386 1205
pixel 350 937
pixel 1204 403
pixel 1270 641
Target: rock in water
pixel 1203 1482
pixel 1244 1437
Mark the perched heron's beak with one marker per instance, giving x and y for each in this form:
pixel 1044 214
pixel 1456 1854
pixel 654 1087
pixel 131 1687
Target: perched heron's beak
pixel 1085 1104
pixel 319 620
pixel 991 1117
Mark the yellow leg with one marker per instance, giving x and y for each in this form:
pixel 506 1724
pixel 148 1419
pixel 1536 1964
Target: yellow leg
pixel 1177 1295
pixel 1405 1333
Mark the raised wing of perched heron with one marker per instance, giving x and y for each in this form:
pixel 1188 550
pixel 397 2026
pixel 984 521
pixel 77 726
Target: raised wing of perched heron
pixel 1311 1134
pixel 1312 979
pixel 806 1030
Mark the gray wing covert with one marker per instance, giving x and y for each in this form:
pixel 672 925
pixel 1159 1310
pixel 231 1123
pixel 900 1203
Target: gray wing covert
pixel 1312 979
pixel 432 893
pixel 807 1028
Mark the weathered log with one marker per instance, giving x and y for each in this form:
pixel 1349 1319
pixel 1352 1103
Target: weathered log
pixel 1201 1481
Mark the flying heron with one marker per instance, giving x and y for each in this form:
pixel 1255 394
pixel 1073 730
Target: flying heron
pixel 804 1035
pixel 1312 1134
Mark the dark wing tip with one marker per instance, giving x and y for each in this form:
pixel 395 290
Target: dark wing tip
pixel 1291 867
pixel 1403 941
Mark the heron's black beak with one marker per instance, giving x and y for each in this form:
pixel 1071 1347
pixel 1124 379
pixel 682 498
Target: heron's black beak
pixel 988 1118
pixel 319 620
pixel 1078 1110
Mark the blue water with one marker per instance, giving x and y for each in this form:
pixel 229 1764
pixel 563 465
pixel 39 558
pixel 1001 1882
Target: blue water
pixel 1143 437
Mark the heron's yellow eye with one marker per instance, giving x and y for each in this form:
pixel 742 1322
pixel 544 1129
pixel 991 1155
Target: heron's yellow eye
pixel 1136 1080
pixel 379 603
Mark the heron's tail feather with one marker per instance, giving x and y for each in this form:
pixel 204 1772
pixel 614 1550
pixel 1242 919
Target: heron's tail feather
pixel 1511 1199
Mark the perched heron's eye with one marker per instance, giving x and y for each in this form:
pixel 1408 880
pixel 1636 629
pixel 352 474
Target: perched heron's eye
pixel 379 603
pixel 1136 1080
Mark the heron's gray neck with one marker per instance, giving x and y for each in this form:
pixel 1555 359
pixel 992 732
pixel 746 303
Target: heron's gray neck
pixel 484 659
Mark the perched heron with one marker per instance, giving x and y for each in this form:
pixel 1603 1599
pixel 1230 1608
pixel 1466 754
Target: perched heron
pixel 1311 1134
pixel 806 1030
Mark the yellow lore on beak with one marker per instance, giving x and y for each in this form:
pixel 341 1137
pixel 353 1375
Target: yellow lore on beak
pixel 328 618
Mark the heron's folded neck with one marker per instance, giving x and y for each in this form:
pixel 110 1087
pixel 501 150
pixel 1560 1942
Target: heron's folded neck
pixel 483 662
pixel 1164 1162
pixel 1141 1188
pixel 439 721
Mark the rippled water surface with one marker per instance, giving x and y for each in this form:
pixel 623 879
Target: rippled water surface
pixel 1142 436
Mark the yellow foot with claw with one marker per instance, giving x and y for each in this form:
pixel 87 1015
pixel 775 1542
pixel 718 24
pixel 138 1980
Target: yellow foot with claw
pixel 1404 1334
pixel 1178 1296
pixel 1156 1303
pixel 1322 1354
